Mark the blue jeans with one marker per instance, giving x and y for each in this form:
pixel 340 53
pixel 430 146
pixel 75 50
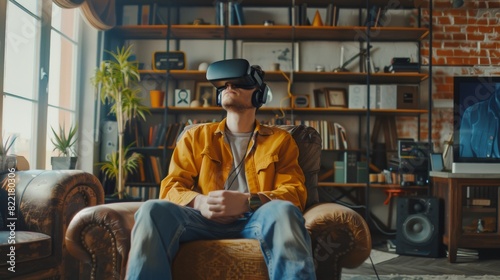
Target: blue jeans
pixel 160 226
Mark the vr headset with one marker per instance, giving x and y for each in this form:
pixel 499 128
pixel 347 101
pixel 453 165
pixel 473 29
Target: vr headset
pixel 239 73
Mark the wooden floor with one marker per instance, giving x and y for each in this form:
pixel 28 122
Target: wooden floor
pixel 487 264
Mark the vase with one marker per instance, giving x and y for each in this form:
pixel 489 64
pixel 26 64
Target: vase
pixel 157 98
pixel 63 163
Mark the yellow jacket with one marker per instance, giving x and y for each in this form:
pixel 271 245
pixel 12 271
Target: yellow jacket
pixel 202 160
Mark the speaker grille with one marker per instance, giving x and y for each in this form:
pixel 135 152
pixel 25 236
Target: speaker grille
pixel 417 229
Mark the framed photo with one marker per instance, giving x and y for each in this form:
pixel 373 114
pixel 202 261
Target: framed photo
pixel 206 94
pixel 336 97
pixel 266 55
pixel 437 162
pixel 320 100
pixel 182 97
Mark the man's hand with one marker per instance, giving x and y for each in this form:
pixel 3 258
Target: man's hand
pixel 222 206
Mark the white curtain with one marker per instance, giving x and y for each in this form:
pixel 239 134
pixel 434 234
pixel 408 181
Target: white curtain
pixel 99 13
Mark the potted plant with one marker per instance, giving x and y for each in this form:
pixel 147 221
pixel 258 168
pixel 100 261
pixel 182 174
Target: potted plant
pixel 64 145
pixel 117 79
pixel 111 169
pixel 6 160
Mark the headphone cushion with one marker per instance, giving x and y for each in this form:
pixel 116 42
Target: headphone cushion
pixel 257 100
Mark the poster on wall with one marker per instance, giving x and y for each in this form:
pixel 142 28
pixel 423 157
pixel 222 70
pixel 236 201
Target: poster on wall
pixel 266 55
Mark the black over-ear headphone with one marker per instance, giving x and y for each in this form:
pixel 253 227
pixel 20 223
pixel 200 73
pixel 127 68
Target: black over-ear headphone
pixel 238 72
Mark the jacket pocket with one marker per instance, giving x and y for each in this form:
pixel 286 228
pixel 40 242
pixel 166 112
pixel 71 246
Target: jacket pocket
pixel 209 154
pixel 266 162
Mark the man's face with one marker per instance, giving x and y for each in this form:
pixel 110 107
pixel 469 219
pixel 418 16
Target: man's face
pixel 237 98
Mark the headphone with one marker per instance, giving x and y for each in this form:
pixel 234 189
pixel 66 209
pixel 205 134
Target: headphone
pixel 259 96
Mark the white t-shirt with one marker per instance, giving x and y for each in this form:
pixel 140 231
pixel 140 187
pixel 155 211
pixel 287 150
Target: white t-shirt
pixel 239 142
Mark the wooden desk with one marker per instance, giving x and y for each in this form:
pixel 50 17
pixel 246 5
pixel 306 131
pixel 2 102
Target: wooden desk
pixel 468 199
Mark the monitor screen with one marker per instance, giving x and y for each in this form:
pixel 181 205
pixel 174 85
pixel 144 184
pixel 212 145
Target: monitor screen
pixel 476 119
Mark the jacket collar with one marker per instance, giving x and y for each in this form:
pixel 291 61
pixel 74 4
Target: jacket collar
pixel 259 129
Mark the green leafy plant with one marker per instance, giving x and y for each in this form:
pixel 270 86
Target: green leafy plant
pixel 4 152
pixel 112 167
pixel 117 80
pixel 64 143
pixel 5 147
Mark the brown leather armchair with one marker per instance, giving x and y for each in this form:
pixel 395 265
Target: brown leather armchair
pixel 100 235
pixel 37 219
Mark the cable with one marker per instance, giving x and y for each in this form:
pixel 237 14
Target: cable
pixel 227 187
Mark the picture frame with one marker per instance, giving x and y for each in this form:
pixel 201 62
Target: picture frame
pixel 205 90
pixel 182 97
pixel 336 97
pixel 437 163
pixel 266 55
pixel 320 99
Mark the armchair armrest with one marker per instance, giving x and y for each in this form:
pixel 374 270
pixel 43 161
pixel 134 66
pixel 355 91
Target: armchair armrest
pixel 100 237
pixel 48 199
pixel 339 236
pixel 45 202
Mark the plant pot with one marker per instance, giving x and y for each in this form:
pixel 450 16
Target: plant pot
pixel 63 163
pixel 7 162
pixel 157 98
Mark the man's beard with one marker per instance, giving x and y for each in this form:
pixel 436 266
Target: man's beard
pixel 237 107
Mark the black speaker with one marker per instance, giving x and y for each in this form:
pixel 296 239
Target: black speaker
pixel 418 227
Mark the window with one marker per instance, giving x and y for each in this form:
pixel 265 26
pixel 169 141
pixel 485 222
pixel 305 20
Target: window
pixel 40 76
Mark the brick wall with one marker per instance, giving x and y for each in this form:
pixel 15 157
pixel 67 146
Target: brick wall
pixel 466 41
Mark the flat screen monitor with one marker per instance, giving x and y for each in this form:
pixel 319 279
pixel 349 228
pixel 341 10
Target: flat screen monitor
pixel 476 117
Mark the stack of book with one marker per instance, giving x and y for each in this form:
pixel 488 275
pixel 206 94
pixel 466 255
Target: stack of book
pixel 463 253
pixel 402 64
pixel 229 13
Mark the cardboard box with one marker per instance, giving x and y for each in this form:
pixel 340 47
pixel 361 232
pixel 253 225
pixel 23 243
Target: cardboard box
pixel 408 97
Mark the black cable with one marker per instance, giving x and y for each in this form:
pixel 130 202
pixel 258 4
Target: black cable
pixel 239 164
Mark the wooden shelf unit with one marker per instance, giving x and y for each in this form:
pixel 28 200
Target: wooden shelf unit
pixel 450 188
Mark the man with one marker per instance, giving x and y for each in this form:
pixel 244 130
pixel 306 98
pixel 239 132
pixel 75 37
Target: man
pixel 480 128
pixel 233 179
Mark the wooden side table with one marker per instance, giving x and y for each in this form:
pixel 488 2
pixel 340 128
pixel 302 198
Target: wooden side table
pixel 471 214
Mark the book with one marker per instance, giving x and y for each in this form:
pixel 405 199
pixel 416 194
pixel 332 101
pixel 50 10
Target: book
pixel 338 167
pixel 130 15
pixel 220 13
pixel 409 67
pixel 231 14
pixel 146 15
pixel 240 16
pixel 340 137
pixel 334 16
pixel 328 18
pixel 362 172
pixel 350 167
pixel 156 168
